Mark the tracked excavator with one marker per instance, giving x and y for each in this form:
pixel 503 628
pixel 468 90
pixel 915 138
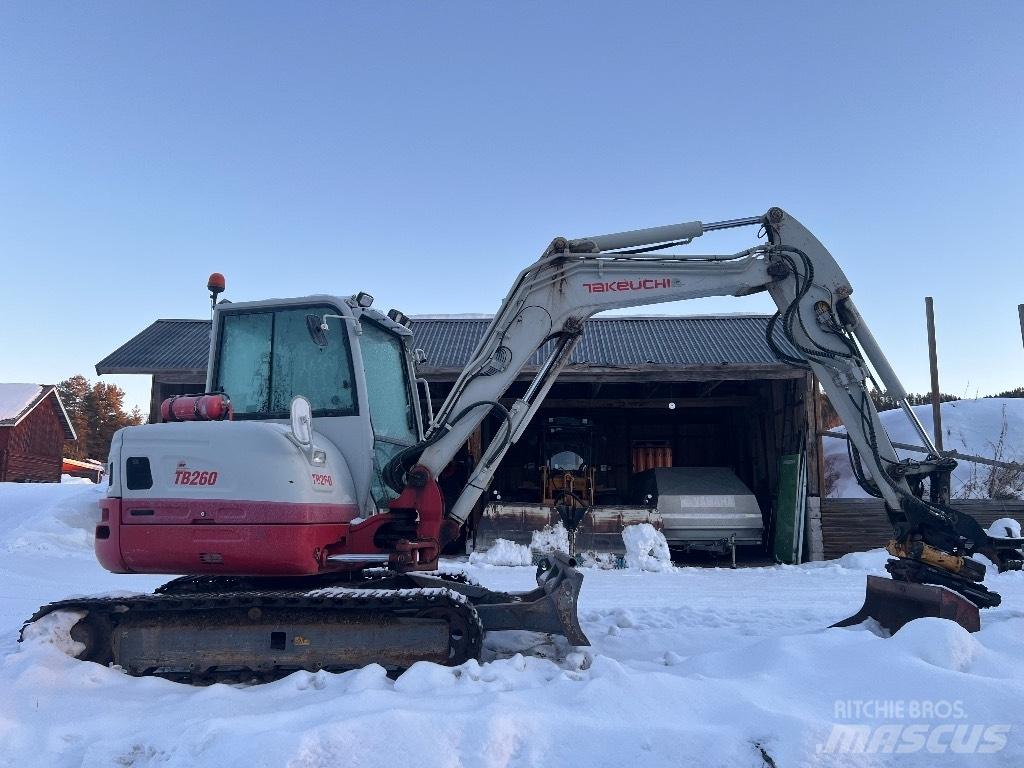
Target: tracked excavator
pixel 299 494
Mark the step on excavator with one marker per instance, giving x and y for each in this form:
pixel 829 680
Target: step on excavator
pixel 299 494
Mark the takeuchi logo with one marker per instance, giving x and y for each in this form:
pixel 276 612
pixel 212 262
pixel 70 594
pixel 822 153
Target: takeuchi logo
pixel 647 284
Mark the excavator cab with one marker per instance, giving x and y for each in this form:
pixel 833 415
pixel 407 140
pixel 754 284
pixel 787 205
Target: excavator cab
pixel 352 363
pixel 242 494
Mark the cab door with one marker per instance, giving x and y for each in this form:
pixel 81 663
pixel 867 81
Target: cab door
pixel 390 393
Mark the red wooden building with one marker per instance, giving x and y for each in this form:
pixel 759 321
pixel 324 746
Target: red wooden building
pixel 33 428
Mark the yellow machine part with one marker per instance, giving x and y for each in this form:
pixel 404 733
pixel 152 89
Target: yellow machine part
pixel 918 550
pixel 556 482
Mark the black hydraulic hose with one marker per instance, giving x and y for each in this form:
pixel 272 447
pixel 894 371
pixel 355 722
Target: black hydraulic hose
pixel 858 471
pixel 791 312
pixel 394 471
pixel 941 511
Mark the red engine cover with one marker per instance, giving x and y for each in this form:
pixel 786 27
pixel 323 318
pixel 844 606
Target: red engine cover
pixel 211 536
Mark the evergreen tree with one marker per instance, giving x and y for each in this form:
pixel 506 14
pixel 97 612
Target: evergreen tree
pixel 883 403
pixel 1016 392
pixel 73 393
pixel 97 412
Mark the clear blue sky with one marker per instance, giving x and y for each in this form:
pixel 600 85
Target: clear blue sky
pixel 425 152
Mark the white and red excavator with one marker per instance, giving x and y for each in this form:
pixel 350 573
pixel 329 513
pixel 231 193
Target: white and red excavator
pixel 300 493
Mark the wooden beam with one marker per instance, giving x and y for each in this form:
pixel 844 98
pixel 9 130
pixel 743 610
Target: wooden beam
pixel 1020 311
pixel 933 365
pixel 154 401
pixel 708 388
pixel 647 374
pixel 951 454
pixel 181 378
pixel 660 404
pixel 816 386
pixel 162 373
pixel 474 445
pixel 812 439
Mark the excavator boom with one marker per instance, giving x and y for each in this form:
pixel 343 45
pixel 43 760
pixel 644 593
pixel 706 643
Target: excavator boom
pixel 575 279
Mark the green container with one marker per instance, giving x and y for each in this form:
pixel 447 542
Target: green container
pixel 790 502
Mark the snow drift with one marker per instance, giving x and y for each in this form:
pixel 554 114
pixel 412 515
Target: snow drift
pixel 984 427
pixel 646 548
pixel 50 518
pixel 550 538
pixel 502 552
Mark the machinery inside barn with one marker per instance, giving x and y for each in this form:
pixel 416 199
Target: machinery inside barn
pixel 643 394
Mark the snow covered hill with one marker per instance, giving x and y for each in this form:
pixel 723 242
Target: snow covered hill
pixel 969 426
pixel 702 667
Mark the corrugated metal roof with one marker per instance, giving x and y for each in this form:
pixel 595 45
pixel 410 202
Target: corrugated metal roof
pixel 614 342
pixel 167 346
pixel 182 346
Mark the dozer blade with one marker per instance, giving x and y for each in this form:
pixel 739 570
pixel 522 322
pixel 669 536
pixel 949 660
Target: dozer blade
pixel 599 532
pixel 551 607
pixel 894 603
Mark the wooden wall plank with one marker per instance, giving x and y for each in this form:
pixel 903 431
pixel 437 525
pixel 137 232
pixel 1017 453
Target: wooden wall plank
pixel 856 525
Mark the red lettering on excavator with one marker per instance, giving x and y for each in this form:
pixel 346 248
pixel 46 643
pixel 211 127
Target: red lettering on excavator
pixel 647 284
pixel 194 477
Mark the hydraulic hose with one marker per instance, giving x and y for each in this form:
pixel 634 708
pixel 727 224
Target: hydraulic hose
pixel 394 471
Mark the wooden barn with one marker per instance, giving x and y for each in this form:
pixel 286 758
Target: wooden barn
pixel 33 428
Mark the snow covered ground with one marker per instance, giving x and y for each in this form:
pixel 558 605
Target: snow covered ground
pixel 690 666
pixel 968 426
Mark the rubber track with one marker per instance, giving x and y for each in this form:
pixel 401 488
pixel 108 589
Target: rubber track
pixel 330 601
pixel 214 584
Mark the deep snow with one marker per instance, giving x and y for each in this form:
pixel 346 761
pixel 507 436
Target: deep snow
pixel 968 426
pixel 690 666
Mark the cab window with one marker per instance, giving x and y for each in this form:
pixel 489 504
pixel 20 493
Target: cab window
pixel 391 405
pixel 387 385
pixel 268 358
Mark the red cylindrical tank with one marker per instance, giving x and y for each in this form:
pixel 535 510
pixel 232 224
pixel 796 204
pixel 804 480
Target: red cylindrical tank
pixel 196 408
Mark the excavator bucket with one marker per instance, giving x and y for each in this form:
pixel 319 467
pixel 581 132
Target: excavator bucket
pixel 894 603
pixel 551 607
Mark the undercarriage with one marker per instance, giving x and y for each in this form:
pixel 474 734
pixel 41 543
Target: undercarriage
pixel 206 629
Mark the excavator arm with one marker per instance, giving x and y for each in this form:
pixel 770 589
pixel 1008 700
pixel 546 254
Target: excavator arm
pixel 575 279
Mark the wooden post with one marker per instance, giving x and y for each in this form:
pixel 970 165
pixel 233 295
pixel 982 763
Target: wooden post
pixel 812 438
pixel 474 445
pixel 1020 311
pixel 474 448
pixel 154 401
pixel 933 363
